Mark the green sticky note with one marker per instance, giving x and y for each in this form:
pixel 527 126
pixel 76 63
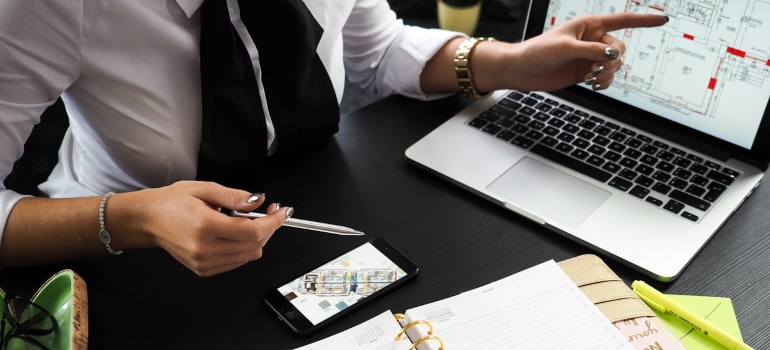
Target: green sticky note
pixel 718 311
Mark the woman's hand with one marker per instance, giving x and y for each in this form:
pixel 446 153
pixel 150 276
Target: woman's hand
pixel 184 219
pixel 577 51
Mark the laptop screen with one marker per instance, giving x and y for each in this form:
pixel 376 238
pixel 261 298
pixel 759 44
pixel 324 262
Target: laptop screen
pixel 707 69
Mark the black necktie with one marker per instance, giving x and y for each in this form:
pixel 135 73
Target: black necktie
pixel 300 95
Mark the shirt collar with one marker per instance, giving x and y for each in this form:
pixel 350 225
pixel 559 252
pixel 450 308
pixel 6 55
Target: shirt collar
pixel 190 6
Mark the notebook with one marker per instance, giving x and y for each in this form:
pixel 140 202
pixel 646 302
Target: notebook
pixel 644 172
pixel 573 304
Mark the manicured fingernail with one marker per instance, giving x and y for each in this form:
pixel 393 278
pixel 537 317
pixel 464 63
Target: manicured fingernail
pixel 289 212
pixel 277 206
pixel 590 79
pixel 611 52
pixel 597 87
pixel 254 197
pixel 667 19
pixel 598 69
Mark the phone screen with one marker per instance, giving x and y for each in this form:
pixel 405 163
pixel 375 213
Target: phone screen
pixel 340 284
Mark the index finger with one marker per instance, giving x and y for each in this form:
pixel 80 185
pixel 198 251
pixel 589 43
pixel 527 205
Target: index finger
pixel 615 21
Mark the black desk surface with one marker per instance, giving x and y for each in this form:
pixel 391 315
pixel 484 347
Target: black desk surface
pixel 145 299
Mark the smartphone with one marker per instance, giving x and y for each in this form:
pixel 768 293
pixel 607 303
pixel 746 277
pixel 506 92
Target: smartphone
pixel 314 299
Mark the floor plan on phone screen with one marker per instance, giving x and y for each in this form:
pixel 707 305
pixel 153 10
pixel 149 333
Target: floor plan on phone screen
pixel 340 283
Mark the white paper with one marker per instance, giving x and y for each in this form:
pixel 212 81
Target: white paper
pixel 378 333
pixel 538 308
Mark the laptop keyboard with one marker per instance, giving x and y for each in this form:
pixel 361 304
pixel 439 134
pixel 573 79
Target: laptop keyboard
pixel 682 183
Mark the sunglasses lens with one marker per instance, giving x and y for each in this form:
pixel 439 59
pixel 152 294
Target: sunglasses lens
pixel 31 318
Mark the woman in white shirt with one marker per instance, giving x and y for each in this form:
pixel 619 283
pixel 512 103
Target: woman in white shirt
pixel 128 72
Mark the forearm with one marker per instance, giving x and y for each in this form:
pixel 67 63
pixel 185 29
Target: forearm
pixel 47 230
pixel 489 62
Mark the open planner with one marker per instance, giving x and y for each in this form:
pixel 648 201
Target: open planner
pixel 575 304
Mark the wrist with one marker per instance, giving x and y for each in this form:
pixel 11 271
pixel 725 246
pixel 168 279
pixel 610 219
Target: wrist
pixel 125 222
pixel 490 65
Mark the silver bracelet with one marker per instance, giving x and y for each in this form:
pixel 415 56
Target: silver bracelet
pixel 103 234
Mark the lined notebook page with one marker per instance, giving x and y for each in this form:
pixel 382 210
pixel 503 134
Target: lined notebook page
pixel 378 333
pixel 538 308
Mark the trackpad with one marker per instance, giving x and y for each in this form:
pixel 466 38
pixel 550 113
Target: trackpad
pixel 548 192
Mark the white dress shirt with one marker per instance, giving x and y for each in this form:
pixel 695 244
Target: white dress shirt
pixel 128 72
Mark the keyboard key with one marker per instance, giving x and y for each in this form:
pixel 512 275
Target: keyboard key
pixel 541 116
pixel 628 162
pixel 491 129
pixel 665 155
pixel 566 108
pixel 515 95
pixel 612 126
pixel 644 181
pixel 581 114
pixel 595 149
pixel 621 184
pixel 660 145
pixel 490 117
pixel 601 141
pixel 730 172
pixel 580 143
pixel 654 201
pixel 506 123
pixel 617 147
pixel 689 216
pixel 712 165
pixel 586 124
pixel 611 167
pixel 506 135
pixel 661 176
pixel 571 128
pixel 595 119
pixel 595 161
pixel 696 159
pixel 700 169
pixel 632 153
pixel 649 160
pixel 714 191
pixel 530 101
pixel 634 143
pixel 617 137
pixel 566 137
pixel 478 123
pixel 551 131
pixel 720 177
pixel 682 174
pixel 661 188
pixel 536 124
pixel 535 135
pixel 500 111
pixel 645 169
pixel 558 123
pixel 585 134
pixel 627 174
pixel 526 110
pixel 674 206
pixel 523 142
pixel 682 162
pixel 510 104
pixel 579 154
pixel 628 132
pixel 649 149
pixel 665 166
pixel 601 130
pixel 552 102
pixel 521 129
pixel 549 141
pixel 558 113
pixel 690 200
pixel 612 156
pixel 678 183
pixel 695 190
pixel 544 107
pixel 699 180
pixel 537 96
pixel 639 191
pixel 522 119
pixel 573 119
pixel 571 163
pixel 565 147
pixel 644 138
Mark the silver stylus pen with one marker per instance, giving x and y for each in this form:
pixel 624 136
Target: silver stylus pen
pixel 306 224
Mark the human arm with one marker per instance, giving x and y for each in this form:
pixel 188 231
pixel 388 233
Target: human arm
pixel 182 218
pixel 561 57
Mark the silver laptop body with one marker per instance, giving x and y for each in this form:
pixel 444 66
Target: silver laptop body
pixel 623 212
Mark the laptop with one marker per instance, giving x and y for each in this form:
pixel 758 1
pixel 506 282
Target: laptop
pixel 644 172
